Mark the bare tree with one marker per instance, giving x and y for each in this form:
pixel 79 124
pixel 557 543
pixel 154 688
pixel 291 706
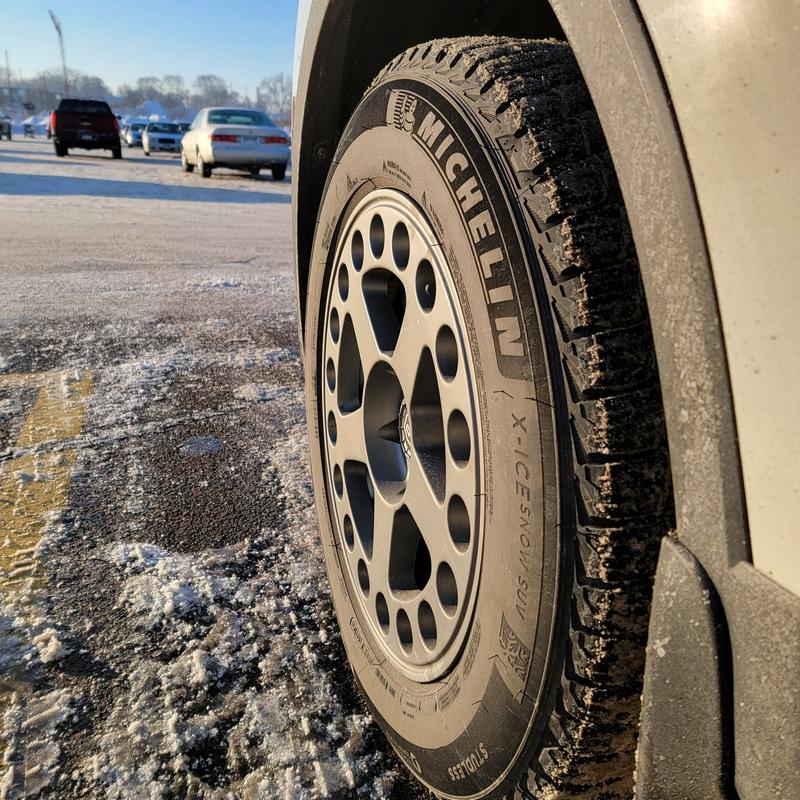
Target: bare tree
pixel 211 90
pixel 45 88
pixel 173 84
pixel 175 94
pixel 274 95
pixel 131 97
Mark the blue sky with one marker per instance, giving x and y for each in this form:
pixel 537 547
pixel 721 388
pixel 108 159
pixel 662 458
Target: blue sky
pixel 122 41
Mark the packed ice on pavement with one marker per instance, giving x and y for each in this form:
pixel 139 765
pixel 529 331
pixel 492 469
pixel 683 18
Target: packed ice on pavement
pixel 171 633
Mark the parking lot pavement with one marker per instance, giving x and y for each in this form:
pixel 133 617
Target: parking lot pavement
pixel 165 629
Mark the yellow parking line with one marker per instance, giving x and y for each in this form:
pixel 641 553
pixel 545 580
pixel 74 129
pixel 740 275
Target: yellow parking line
pixel 34 486
pixel 34 489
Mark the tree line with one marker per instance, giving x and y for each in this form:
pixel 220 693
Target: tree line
pixel 272 94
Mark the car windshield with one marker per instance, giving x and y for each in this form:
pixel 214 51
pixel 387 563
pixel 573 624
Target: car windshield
pixel 137 127
pixel 238 116
pixel 162 127
pixel 85 106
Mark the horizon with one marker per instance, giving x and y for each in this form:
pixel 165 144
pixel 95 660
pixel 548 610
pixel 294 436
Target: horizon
pixel 95 44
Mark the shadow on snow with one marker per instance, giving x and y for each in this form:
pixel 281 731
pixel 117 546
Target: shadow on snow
pixel 55 185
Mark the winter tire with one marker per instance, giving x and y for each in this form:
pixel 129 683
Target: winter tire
pixel 278 172
pixel 488 443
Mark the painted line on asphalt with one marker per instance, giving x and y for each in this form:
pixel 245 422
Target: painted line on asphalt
pixel 34 490
pixel 34 485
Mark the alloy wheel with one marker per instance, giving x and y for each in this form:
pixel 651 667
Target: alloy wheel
pixel 401 434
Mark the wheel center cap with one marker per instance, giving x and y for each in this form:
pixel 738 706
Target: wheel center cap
pixel 404 429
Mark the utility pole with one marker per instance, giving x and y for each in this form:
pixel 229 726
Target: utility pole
pixel 8 80
pixel 57 26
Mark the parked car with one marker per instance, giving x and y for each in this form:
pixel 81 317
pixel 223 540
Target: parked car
pixel 85 125
pixel 537 272
pixel 184 126
pixel 161 136
pixel 238 138
pixel 133 133
pixel 5 127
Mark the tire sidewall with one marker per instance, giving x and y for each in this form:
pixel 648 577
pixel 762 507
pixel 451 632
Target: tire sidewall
pixel 464 734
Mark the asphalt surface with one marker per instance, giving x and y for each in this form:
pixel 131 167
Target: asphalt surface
pixel 166 630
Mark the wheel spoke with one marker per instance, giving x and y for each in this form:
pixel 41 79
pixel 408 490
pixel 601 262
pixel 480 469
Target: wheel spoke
pixel 414 337
pixel 367 346
pixel 424 507
pixel 379 564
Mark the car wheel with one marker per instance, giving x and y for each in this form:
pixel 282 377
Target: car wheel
pixel 491 474
pixel 116 152
pixel 60 150
pixel 278 172
pixel 203 169
pixel 187 167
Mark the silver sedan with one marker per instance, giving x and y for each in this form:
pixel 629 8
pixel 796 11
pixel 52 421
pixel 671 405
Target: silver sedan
pixel 161 136
pixel 133 134
pixel 238 138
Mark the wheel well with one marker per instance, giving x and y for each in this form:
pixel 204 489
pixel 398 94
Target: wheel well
pixel 381 30
pixel 356 40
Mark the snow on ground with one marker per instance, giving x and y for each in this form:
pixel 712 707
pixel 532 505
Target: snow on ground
pixel 181 643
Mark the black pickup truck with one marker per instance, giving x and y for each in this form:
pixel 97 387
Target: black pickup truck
pixel 85 124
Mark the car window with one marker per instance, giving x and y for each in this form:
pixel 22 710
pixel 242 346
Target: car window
pixel 198 120
pixel 237 116
pixel 162 127
pixel 84 106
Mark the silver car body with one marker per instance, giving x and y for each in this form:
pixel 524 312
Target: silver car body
pixel 154 139
pixel 133 133
pixel 243 145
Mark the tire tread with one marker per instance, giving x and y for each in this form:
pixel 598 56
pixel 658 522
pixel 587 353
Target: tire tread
pixel 534 104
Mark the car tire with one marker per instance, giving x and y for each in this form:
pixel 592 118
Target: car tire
pixel 203 169
pixel 489 462
pixel 254 172
pixel 116 153
pixel 60 150
pixel 187 167
pixel 278 172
